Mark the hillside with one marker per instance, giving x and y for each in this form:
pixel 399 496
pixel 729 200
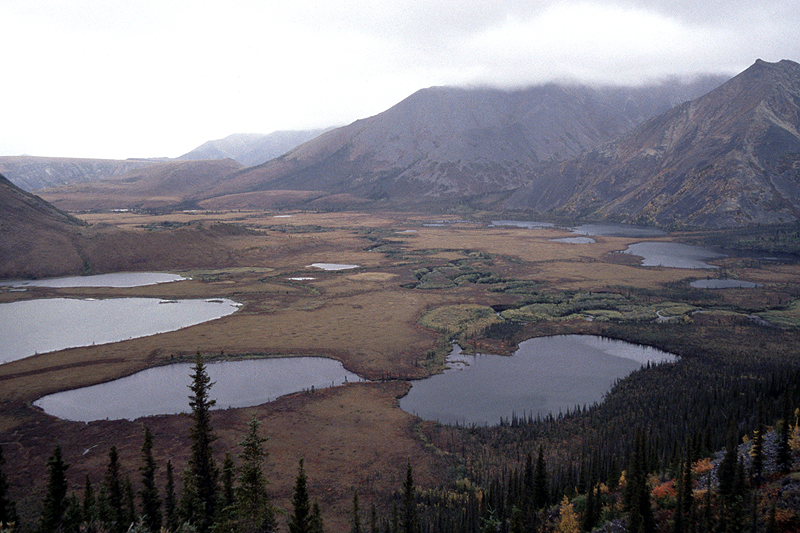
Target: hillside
pixel 251 149
pixel 729 158
pixel 448 143
pixel 166 184
pixel 34 173
pixel 39 240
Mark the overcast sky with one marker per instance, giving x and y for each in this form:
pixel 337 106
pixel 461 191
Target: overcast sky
pixel 150 78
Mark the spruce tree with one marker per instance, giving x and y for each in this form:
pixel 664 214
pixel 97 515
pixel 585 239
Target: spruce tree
pixel 170 517
pixel 55 500
pixel 129 507
pixel 114 494
pixel 151 503
pixel 254 510
pixel 200 479
pixel 8 511
pixel 89 509
pixel 409 502
pixel 784 454
pixel 315 524
pixel 228 476
pixel 300 520
pixel 637 493
pixel 355 516
pixel 541 492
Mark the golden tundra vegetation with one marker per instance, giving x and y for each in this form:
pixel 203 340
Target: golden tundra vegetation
pixel 420 282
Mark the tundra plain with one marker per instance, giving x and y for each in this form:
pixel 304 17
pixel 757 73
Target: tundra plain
pixel 421 282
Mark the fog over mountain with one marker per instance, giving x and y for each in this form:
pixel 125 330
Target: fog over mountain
pixel 446 143
pixel 712 153
pixel 252 149
pixel 728 158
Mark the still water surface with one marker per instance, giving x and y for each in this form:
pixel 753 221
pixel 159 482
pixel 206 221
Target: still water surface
pixel 119 279
pixel 45 325
pixel 673 254
pixel 165 389
pixel 546 375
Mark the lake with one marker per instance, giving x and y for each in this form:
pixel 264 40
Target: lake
pixel 119 279
pixel 45 325
pixel 165 389
pixel 673 254
pixel 332 266
pixel 546 375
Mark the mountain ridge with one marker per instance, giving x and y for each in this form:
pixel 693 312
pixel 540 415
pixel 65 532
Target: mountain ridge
pixel 445 142
pixel 724 159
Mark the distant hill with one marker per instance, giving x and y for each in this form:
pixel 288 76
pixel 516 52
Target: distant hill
pixel 166 184
pixel 729 158
pixel 446 144
pixel 33 173
pixel 252 149
pixel 38 240
pixel 36 173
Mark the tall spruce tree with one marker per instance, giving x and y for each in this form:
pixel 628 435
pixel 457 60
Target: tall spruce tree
pixel 784 454
pixel 170 514
pixel 55 500
pixel 89 509
pixel 637 492
pixel 114 494
pixel 409 502
pixel 355 515
pixel 300 519
pixel 151 502
pixel 200 480
pixel 541 491
pixel 253 508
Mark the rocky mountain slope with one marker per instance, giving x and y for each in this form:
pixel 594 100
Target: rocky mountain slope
pixel 728 158
pixel 251 149
pixel 449 143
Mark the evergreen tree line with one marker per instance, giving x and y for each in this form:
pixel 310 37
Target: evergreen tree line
pixel 213 500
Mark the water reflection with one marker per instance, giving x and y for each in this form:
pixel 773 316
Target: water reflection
pixel 673 254
pixel 118 279
pixel 46 325
pixel 546 375
pixel 165 389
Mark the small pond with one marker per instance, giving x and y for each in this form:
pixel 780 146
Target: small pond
pixel 546 375
pixel 724 284
pixel 119 279
pixel 164 390
pixel 673 254
pixel 332 266
pixel 45 325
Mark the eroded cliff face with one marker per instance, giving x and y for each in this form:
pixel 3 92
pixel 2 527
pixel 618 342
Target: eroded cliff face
pixel 35 173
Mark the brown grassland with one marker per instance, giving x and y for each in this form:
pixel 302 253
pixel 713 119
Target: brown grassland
pixel 369 318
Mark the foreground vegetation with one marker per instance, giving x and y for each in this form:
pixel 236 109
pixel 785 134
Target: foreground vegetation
pixel 642 459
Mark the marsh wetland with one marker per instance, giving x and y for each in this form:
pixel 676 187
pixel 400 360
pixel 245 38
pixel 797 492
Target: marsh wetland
pixel 412 290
